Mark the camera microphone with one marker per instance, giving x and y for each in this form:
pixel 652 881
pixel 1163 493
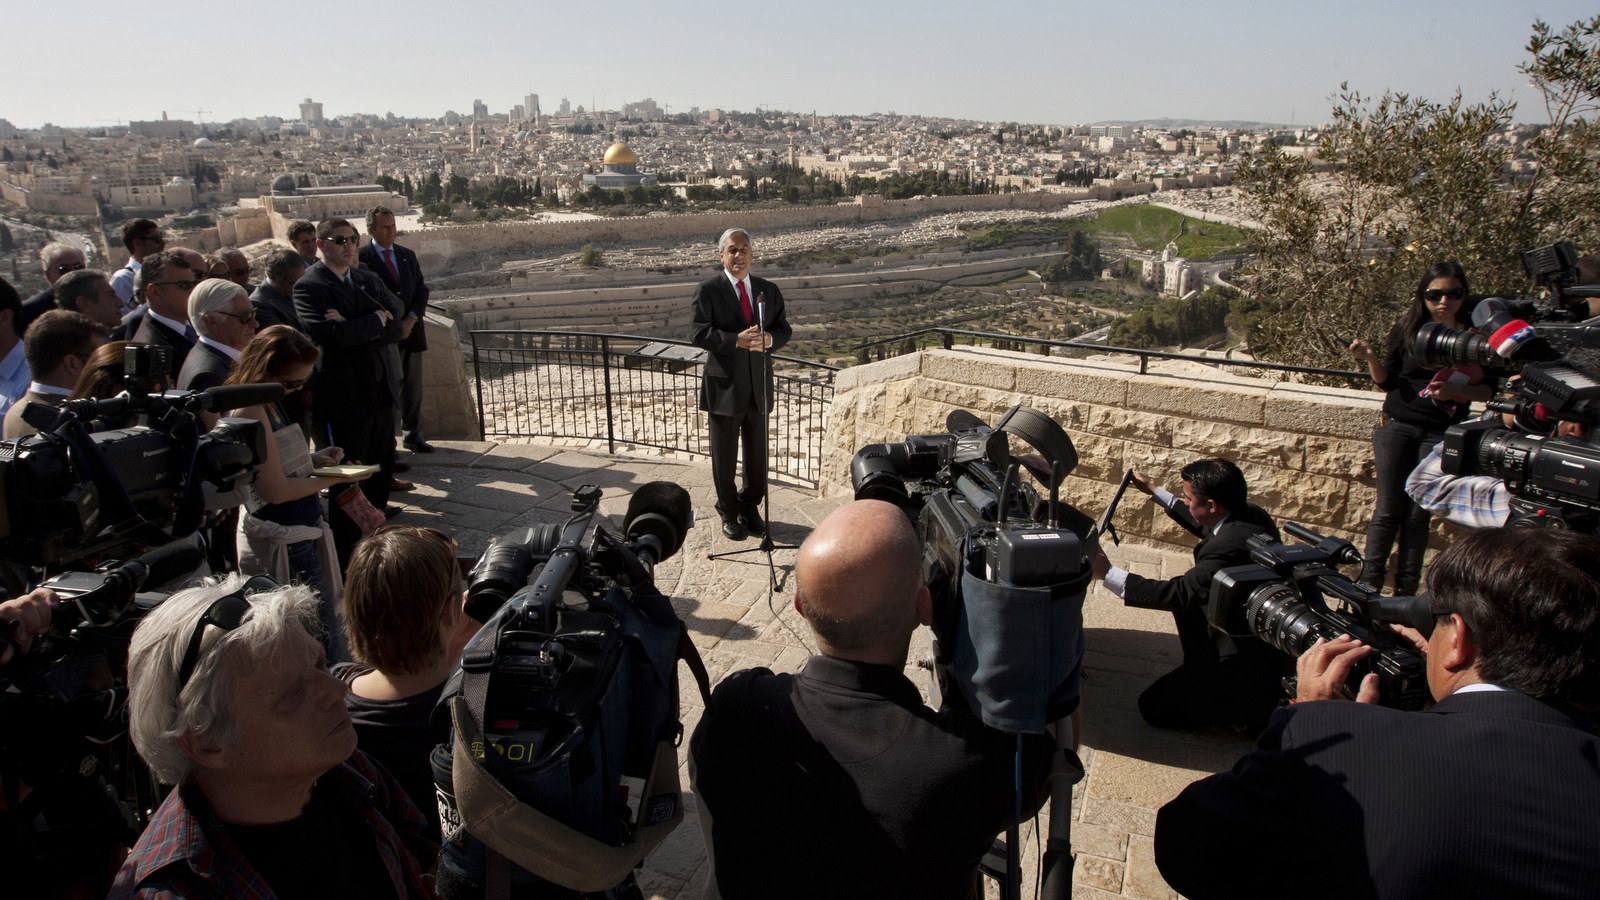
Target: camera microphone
pixel 1508 333
pixel 158 566
pixel 659 514
pixel 238 396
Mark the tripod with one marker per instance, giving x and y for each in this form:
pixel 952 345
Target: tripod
pixel 767 545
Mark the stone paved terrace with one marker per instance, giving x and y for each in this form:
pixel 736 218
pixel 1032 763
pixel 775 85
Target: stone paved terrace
pixel 476 491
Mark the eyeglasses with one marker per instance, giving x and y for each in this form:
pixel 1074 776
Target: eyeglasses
pixel 341 240
pixel 226 613
pixel 157 238
pixel 292 386
pixel 1436 296
pixel 185 285
pixel 246 317
pixel 64 268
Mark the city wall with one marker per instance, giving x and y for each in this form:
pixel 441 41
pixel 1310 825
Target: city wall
pixel 1306 451
pixel 443 249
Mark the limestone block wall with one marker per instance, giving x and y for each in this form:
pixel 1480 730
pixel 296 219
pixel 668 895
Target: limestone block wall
pixel 448 408
pixel 1306 451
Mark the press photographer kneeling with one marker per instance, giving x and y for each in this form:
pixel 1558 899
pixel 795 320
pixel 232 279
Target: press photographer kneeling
pixel 1491 793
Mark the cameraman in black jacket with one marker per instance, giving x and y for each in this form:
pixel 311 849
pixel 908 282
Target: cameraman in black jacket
pixel 1223 680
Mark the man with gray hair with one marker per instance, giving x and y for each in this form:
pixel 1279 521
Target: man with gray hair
pixel 736 384
pixel 274 299
pixel 57 259
pixel 238 267
pixel 225 322
pixel 231 702
pixel 839 781
pixel 89 292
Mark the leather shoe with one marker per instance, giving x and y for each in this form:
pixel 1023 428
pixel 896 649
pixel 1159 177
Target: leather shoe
pixel 400 466
pixel 400 485
pixel 418 446
pixel 391 511
pixel 753 523
pixel 732 529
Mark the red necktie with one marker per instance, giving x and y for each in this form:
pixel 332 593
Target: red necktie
pixel 388 260
pixel 744 299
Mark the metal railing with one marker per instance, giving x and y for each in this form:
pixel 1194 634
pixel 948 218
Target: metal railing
pixel 909 343
pixel 598 386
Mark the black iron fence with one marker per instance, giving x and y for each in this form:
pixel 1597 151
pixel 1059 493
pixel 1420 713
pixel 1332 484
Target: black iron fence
pixel 631 390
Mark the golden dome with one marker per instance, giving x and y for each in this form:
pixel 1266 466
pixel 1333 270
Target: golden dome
pixel 619 155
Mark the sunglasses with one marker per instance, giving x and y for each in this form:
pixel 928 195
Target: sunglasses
pixel 1436 296
pixel 342 240
pixel 153 239
pixel 227 613
pixel 64 268
pixel 246 317
pixel 185 285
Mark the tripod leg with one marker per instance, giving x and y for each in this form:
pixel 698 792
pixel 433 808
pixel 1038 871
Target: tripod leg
pixel 1066 771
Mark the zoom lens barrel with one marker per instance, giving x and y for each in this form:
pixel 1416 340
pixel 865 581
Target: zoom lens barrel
pixel 1276 615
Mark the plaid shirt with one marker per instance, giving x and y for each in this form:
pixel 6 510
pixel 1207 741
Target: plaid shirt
pixel 1471 501
pixel 186 853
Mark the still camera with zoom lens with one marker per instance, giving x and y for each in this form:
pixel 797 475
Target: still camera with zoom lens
pixel 1284 597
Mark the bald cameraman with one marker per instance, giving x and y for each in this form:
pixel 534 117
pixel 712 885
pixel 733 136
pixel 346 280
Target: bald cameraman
pixel 1494 792
pixel 1224 681
pixel 839 782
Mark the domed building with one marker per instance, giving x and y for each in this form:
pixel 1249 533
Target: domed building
pixel 619 169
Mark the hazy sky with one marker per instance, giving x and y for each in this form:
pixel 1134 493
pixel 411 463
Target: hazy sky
pixel 92 62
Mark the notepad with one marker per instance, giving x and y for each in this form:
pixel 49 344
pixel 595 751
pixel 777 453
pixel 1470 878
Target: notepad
pixel 343 471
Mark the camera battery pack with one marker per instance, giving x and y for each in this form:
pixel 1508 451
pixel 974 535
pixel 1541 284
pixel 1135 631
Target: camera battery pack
pixel 1034 557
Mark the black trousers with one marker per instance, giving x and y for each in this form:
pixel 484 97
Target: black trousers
pixel 411 393
pixel 1397 449
pixel 1208 691
pixel 365 441
pixel 728 435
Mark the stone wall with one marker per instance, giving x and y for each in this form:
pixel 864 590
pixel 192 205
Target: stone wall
pixel 448 408
pixel 1306 451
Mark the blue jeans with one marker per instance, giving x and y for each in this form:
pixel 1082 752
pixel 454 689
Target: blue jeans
pixel 305 567
pixel 1397 449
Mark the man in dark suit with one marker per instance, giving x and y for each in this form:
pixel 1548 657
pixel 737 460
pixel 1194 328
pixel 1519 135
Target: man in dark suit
pixel 736 386
pixel 1223 680
pixel 57 259
pixel 221 314
pixel 1494 792
pixel 164 281
pixel 864 791
pixel 274 299
pixel 356 321
pixel 398 268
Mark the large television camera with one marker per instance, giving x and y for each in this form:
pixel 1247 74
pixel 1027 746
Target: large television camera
pixel 562 773
pixel 1292 595
pixel 1008 568
pixel 67 493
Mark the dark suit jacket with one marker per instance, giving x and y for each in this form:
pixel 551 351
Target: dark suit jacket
pixel 206 367
pixel 839 782
pixel 359 367
pixel 273 308
pixel 726 385
pixel 34 307
pixel 130 324
pixel 411 289
pixel 1487 795
pixel 158 335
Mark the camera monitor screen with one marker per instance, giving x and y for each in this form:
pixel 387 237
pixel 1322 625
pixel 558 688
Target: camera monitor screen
pixel 1111 510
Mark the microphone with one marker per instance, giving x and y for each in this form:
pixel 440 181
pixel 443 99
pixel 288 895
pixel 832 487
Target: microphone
pixel 1499 320
pixel 658 516
pixel 238 396
pixel 157 567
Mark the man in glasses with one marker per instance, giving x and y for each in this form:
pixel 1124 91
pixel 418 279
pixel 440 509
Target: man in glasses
pixel 356 321
pixel 232 703
pixel 165 280
pixel 141 237
pixel 221 314
pixel 57 347
pixel 57 259
pixel 238 267
pixel 1493 792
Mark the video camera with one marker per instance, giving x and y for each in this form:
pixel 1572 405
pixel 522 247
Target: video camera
pixel 1283 599
pixel 67 494
pixel 1008 570
pixel 562 772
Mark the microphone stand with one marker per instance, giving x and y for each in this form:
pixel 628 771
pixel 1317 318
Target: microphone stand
pixel 767 545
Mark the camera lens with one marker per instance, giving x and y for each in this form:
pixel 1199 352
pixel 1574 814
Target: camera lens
pixel 1440 347
pixel 1276 615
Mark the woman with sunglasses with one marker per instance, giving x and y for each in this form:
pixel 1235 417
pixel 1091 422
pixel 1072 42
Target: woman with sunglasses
pixel 285 534
pixel 1420 404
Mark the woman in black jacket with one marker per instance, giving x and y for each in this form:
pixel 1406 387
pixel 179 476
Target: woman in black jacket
pixel 1420 405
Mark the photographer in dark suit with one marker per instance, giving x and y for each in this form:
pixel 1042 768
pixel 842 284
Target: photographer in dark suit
pixel 840 782
pixel 355 320
pixel 736 387
pixel 398 268
pixel 1494 792
pixel 1223 680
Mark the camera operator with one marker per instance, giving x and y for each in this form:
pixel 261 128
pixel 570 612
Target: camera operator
pixel 1223 680
pixel 1493 792
pixel 231 701
pixel 839 781
pixel 31 612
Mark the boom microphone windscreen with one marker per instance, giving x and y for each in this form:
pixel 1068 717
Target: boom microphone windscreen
pixel 660 509
pixel 962 420
pixel 238 396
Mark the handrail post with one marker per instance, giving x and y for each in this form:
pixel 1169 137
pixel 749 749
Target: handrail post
pixel 605 361
pixel 1144 364
pixel 949 340
pixel 477 378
